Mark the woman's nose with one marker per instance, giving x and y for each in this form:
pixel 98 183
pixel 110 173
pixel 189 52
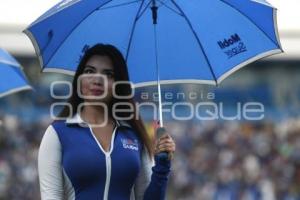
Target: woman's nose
pixel 98 79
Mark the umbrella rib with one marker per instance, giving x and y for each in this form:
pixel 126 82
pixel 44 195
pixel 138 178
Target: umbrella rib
pixel 133 28
pixel 252 22
pixel 163 3
pixel 198 41
pixel 54 52
pixel 141 13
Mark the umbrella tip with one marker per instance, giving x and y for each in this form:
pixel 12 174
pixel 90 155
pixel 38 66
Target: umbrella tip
pixel 217 84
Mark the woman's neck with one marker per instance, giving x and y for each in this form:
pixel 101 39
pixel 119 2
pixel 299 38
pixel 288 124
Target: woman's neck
pixel 95 115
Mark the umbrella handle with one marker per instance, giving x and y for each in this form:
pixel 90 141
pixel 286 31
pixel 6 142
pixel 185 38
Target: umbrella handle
pixel 160 131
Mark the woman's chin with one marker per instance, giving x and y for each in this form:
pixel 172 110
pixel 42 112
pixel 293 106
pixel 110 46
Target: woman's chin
pixel 96 99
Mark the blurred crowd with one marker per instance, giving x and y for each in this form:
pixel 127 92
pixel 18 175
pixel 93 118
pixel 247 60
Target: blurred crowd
pixel 232 160
pixel 18 159
pixel 227 160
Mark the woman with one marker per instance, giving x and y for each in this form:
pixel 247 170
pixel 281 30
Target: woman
pixel 82 157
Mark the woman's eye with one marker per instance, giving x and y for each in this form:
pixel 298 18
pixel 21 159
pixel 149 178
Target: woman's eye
pixel 88 71
pixel 109 75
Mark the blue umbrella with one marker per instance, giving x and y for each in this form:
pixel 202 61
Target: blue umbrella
pixel 163 41
pixel 12 78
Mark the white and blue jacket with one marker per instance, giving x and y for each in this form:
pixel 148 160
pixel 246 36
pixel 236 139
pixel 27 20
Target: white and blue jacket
pixel 72 165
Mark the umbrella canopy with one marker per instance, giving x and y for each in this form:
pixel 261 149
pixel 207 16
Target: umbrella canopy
pixel 163 41
pixel 193 42
pixel 12 78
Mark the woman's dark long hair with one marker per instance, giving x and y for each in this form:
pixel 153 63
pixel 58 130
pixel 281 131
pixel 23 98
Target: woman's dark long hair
pixel 120 74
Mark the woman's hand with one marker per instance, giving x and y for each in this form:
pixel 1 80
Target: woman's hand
pixel 165 144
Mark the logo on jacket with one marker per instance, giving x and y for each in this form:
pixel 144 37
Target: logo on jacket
pixel 130 144
pixel 233 45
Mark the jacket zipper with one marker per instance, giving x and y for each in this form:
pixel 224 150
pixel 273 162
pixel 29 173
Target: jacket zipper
pixel 108 174
pixel 107 161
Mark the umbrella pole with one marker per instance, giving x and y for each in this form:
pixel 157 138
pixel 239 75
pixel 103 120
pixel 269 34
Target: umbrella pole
pixel 161 130
pixel 159 103
pixel 161 124
pixel 154 17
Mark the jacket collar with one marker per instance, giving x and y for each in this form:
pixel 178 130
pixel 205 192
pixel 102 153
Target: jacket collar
pixel 76 119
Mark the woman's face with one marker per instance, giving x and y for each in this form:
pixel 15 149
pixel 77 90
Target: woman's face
pixel 97 79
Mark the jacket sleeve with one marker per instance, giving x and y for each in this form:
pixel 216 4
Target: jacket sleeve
pixel 152 180
pixel 49 166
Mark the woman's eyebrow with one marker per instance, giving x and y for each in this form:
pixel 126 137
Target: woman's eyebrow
pixel 108 70
pixel 89 66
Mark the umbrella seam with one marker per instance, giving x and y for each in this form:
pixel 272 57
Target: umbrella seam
pixel 274 42
pixel 198 41
pixel 133 29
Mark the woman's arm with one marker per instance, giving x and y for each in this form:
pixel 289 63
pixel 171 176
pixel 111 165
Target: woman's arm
pixel 154 186
pixel 49 166
pixel 159 180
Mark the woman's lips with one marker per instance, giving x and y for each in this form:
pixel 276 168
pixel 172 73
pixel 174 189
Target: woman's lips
pixel 97 92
